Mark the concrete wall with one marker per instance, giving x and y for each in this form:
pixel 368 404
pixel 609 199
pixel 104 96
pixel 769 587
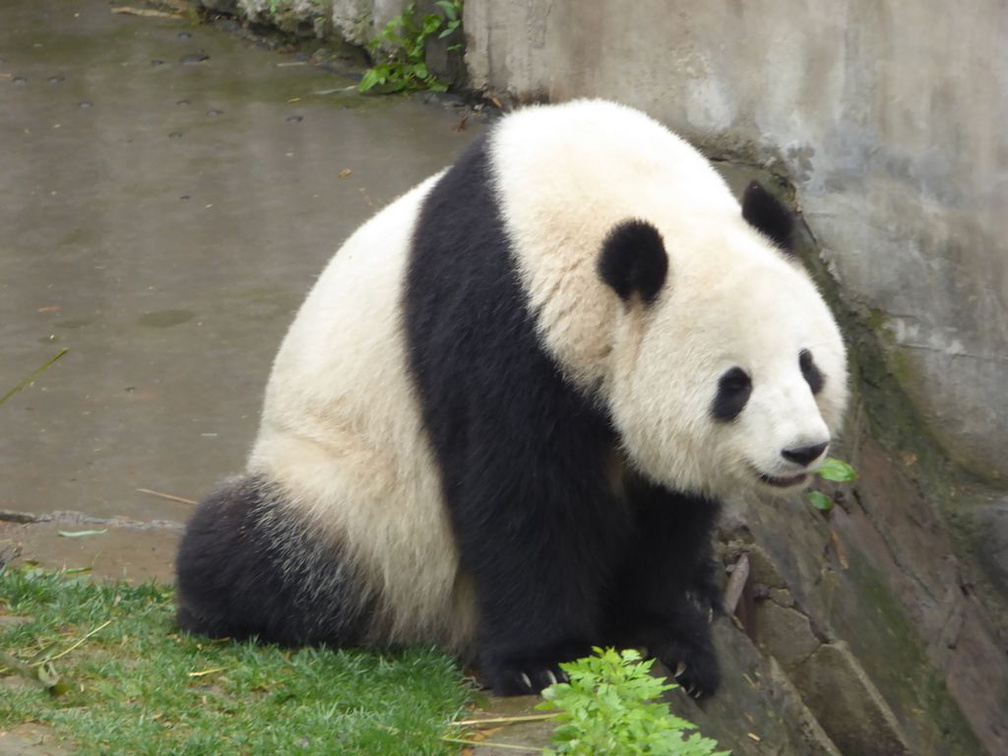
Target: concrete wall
pixel 890 117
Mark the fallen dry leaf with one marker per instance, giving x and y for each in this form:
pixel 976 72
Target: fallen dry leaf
pixel 841 552
pixel 148 12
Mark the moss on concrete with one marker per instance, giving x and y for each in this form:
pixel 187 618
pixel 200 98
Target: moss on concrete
pixel 885 641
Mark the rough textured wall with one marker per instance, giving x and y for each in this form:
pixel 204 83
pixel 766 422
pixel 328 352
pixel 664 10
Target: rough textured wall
pixel 890 118
pixel 359 20
pixel 355 21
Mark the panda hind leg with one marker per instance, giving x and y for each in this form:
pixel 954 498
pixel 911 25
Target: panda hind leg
pixel 248 567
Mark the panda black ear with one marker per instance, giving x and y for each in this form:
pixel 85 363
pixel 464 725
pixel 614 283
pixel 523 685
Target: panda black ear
pixel 769 216
pixel 633 260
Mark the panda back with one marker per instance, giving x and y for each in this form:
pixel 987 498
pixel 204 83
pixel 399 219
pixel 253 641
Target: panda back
pixel 341 434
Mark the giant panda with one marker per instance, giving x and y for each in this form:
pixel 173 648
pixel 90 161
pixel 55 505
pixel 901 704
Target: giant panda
pixel 504 418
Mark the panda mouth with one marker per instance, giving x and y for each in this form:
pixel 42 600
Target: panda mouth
pixel 786 482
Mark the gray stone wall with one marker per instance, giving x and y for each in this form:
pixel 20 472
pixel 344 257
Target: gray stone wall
pixel 890 118
pixel 356 21
pixel 360 20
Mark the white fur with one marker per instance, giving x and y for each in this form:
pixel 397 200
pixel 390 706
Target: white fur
pixel 341 430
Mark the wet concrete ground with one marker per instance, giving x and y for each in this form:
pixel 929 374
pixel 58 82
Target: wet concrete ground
pixel 169 194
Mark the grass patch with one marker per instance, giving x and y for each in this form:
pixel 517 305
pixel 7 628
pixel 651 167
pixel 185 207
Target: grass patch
pixel 139 686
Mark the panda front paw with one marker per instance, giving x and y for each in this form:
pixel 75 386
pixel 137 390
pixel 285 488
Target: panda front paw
pixel 694 667
pixel 521 675
pixel 524 679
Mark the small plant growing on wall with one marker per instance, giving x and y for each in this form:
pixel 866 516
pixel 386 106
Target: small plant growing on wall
pixel 399 50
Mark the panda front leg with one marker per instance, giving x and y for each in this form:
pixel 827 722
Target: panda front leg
pixel 705 588
pixel 681 638
pixel 541 547
pixel 666 593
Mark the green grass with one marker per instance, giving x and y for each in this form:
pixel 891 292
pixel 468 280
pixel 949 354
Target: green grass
pixel 130 688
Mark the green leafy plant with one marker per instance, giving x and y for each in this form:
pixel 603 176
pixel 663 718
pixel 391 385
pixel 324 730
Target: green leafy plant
pixel 835 471
pixel 608 708
pixel 399 50
pixel 452 10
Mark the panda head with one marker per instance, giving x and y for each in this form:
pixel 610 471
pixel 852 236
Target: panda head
pixel 683 313
pixel 725 367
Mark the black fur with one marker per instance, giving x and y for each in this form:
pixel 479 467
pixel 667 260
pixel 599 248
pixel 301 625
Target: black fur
pixel 634 261
pixel 668 591
pixel 734 390
pixel 562 559
pixel 239 578
pixel 810 371
pixel 769 216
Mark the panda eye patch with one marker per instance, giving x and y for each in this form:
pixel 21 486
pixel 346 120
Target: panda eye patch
pixel 734 388
pixel 810 372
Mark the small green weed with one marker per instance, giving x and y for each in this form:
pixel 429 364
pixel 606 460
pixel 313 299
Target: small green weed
pixel 106 669
pixel 399 50
pixel 836 471
pixel 608 709
pixel 27 380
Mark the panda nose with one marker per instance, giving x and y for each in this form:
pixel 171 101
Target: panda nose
pixel 804 455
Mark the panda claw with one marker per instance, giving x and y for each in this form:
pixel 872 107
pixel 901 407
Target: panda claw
pixel 680 669
pixel 526 681
pixel 551 676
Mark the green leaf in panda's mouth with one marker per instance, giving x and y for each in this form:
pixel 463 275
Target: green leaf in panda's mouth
pixel 836 470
